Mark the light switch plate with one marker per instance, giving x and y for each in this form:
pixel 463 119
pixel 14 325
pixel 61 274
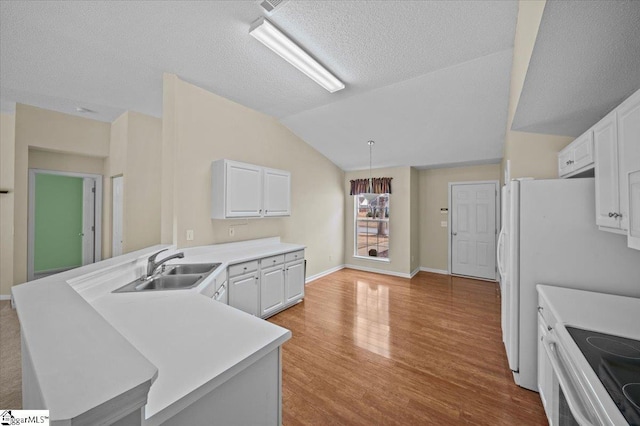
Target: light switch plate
pixel 189 234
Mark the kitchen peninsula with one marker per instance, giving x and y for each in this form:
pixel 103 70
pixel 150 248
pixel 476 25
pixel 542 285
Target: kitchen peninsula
pixel 153 357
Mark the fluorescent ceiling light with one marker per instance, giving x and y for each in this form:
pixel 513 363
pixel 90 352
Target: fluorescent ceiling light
pixel 265 32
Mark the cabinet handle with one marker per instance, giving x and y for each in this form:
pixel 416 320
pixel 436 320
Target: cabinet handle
pixel 260 211
pixel 549 328
pixel 540 308
pixel 610 214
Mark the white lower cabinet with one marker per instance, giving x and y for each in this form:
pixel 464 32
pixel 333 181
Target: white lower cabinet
pixel 244 292
pixel 266 286
pixel 271 289
pixel 294 280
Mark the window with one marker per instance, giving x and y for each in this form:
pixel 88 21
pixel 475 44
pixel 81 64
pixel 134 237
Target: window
pixel 371 223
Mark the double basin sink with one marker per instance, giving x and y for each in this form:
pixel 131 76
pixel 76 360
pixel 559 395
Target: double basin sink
pixel 172 277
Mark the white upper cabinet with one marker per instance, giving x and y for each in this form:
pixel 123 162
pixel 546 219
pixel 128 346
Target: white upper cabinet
pixel 617 154
pixel 628 150
pixel 277 192
pixel 249 191
pixel 577 157
pixel 607 185
pixel 633 236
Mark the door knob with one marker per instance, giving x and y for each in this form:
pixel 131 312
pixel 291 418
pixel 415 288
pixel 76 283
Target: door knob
pixel 454 233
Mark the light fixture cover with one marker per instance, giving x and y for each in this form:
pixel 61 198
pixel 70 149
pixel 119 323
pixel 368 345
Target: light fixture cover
pixel 269 35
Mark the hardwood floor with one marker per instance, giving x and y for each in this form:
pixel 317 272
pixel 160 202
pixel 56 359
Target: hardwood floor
pixel 374 349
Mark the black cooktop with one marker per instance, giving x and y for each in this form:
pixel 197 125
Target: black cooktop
pixel 616 362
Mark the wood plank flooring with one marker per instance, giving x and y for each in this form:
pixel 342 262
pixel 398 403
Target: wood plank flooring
pixel 374 349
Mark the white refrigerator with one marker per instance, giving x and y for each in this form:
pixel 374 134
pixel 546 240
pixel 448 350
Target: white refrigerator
pixel 549 236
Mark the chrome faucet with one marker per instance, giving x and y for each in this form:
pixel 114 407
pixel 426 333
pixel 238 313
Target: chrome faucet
pixel 152 265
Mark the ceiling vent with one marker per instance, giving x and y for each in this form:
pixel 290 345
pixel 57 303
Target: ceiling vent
pixel 270 5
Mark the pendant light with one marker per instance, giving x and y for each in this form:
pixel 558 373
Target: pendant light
pixel 369 196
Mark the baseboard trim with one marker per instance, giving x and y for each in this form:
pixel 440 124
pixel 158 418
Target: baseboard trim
pixel 378 271
pixel 5 297
pixel 323 273
pixel 435 271
pixel 415 271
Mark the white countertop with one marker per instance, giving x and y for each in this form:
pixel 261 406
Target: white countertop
pixel 76 329
pixel 599 312
pixel 604 313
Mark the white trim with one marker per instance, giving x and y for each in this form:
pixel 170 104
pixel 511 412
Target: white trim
pixel 434 271
pixel 324 273
pixel 31 215
pixel 378 271
pixel 5 297
pixel 414 272
pixel 497 220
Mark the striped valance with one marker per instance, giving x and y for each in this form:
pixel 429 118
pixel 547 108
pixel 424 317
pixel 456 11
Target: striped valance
pixel 380 186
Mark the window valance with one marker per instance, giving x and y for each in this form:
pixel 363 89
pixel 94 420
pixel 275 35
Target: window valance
pixel 380 185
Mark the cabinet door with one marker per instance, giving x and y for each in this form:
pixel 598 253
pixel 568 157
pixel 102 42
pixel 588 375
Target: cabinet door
pixel 222 294
pixel 294 282
pixel 271 289
pixel 628 150
pixel 583 151
pixel 244 293
pixel 243 190
pixel 607 187
pixel 633 236
pixel 565 161
pixel 277 192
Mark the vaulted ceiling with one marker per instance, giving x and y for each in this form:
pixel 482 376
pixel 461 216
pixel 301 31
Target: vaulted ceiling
pixel 428 80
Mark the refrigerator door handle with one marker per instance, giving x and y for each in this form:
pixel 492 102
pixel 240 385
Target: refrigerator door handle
pixel 500 252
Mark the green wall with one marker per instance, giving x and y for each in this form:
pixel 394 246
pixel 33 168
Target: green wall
pixel 58 222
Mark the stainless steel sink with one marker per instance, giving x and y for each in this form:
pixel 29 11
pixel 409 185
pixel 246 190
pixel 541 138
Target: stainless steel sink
pixel 173 277
pixel 193 268
pixel 169 282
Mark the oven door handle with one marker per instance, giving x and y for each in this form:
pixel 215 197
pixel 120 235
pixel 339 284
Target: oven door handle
pixel 550 347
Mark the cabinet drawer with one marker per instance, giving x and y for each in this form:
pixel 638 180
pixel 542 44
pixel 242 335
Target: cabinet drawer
pixel 243 268
pixel 296 255
pixel 272 261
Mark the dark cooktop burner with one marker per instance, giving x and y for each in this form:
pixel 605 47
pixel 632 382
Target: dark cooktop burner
pixel 616 362
pixel 632 392
pixel 614 347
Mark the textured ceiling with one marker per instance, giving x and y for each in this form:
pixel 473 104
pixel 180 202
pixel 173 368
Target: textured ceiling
pixel 427 79
pixel 586 60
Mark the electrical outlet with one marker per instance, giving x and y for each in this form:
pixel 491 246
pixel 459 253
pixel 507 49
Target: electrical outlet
pixel 443 223
pixel 232 231
pixel 189 234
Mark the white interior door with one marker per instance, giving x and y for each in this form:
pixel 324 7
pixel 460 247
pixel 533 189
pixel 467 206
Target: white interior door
pixel 117 208
pixel 473 229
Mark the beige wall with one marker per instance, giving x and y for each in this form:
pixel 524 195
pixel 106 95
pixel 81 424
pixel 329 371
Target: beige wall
pixel 49 160
pixel 399 222
pixel 7 156
pixel 49 131
pixel 199 127
pixel 135 154
pixel 434 195
pixel 530 154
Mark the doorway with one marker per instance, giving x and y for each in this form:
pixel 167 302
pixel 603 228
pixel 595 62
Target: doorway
pixel 64 222
pixel 473 229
